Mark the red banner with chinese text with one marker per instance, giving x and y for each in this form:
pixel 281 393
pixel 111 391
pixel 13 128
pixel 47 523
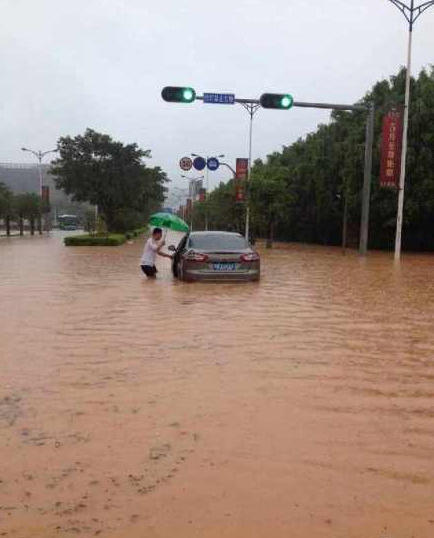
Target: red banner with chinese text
pixel 241 171
pixel 391 144
pixel 202 195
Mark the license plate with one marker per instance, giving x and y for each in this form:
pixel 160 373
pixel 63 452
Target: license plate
pixel 224 267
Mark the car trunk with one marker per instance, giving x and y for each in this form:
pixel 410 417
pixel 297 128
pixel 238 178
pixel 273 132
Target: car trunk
pixel 224 261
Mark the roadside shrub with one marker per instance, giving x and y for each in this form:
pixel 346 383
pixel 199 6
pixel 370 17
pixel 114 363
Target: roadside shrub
pixel 111 240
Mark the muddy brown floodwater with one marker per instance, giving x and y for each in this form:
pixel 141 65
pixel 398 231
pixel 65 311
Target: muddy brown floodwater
pixel 298 407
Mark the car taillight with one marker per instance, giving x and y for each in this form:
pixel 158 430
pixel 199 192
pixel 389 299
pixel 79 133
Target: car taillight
pixel 196 256
pixel 250 257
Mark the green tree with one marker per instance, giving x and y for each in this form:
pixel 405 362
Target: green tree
pixel 6 206
pixel 27 206
pixel 96 169
pixel 220 209
pixel 269 196
pixel 326 167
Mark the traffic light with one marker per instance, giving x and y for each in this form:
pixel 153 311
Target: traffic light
pixel 178 94
pixel 282 101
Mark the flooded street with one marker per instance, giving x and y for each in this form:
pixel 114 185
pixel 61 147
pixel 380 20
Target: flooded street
pixel 301 406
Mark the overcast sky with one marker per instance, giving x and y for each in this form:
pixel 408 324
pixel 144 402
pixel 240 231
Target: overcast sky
pixel 69 65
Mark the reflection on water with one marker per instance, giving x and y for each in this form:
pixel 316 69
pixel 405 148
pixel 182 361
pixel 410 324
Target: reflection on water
pixel 137 408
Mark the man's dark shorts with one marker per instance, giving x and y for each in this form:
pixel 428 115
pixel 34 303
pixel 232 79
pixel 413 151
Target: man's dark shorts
pixel 149 270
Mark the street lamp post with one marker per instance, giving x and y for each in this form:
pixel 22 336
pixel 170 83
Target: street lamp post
pixel 207 180
pixel 251 108
pixel 411 13
pixel 40 155
pixel 228 166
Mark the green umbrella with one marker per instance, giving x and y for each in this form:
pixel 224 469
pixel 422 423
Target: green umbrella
pixel 169 221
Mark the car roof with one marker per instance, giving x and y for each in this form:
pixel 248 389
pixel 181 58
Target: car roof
pixel 216 233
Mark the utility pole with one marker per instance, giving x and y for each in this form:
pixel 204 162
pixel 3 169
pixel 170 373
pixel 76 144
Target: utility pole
pixel 411 12
pixel 345 220
pixel 367 180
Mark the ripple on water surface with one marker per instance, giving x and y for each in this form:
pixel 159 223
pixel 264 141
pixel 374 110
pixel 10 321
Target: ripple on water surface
pixel 119 394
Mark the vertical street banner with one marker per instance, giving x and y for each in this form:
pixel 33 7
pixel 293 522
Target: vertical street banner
pixel 391 145
pixel 45 194
pixel 241 170
pixel 202 195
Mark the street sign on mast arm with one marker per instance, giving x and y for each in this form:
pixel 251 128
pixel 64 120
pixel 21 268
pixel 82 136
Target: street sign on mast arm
pixel 219 98
pixel 178 94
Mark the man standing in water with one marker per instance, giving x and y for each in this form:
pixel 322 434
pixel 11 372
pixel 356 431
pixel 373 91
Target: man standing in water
pixel 153 247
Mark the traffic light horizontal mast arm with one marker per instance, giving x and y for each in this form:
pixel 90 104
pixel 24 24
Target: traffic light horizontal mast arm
pixel 301 104
pixel 331 106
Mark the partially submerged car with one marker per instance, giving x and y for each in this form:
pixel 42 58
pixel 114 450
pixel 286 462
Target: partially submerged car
pixel 215 256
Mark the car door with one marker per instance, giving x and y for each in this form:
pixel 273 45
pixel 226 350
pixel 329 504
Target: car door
pixel 178 253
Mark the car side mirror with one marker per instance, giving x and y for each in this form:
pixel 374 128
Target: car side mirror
pixel 172 248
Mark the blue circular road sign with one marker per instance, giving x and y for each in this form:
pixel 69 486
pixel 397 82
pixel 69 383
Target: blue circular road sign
pixel 199 163
pixel 213 164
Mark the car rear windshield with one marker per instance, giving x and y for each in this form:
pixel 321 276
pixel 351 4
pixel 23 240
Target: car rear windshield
pixel 216 242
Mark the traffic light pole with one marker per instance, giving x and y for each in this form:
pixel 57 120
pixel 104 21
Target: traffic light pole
pixel 253 105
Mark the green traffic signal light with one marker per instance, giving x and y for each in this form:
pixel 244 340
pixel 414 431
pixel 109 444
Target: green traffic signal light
pixel 283 101
pixel 178 94
pixel 286 101
pixel 188 95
